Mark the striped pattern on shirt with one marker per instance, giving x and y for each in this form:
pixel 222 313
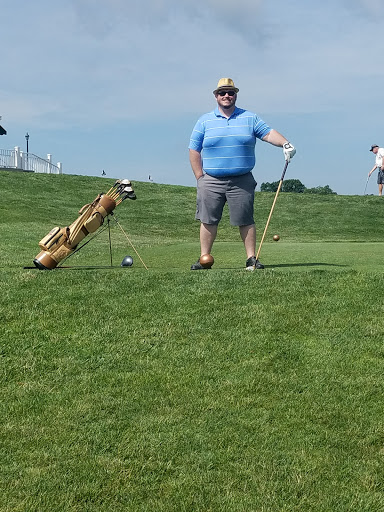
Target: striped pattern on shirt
pixel 228 145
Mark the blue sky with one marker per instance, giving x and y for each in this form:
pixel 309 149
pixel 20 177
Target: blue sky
pixel 118 85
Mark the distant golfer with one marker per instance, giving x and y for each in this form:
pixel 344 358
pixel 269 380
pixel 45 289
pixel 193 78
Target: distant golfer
pixel 379 165
pixel 226 137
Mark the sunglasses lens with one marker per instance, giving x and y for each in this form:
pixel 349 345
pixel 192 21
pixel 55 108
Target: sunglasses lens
pixel 230 93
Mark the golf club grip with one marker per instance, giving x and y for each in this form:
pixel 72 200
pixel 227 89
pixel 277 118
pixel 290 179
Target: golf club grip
pixel 284 170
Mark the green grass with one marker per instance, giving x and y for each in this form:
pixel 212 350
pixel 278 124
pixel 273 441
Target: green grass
pixel 169 390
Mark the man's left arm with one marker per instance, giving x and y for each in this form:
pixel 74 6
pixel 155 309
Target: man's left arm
pixel 276 139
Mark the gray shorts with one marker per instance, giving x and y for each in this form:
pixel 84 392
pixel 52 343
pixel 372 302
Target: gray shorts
pixel 213 193
pixel 380 177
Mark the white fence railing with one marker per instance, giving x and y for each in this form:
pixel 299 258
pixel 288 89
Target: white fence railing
pixel 16 159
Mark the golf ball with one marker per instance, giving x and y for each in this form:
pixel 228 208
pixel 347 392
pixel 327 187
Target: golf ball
pixel 276 238
pixel 127 261
pixel 206 260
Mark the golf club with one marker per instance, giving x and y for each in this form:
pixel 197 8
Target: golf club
pixel 273 206
pixel 365 189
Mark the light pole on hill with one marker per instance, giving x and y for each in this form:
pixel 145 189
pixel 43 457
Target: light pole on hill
pixel 27 139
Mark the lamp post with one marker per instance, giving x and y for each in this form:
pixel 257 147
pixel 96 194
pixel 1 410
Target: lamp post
pixel 27 139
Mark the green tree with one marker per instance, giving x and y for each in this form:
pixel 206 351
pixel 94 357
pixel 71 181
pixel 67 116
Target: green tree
pixel 269 187
pixel 293 186
pixel 320 190
pixel 287 186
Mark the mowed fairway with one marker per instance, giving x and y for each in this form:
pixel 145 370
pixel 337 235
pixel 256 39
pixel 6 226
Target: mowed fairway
pixel 171 390
pixel 280 255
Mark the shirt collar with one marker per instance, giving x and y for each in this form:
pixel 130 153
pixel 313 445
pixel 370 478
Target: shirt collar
pixel 219 114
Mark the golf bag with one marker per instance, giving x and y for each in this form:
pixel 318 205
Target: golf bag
pixel 61 242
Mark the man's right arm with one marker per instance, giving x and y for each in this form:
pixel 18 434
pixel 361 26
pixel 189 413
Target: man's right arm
pixel 196 164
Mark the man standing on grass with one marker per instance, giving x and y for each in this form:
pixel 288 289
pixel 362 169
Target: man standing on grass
pixel 379 164
pixel 226 137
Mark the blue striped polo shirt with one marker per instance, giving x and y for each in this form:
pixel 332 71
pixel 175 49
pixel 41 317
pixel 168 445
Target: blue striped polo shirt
pixel 228 144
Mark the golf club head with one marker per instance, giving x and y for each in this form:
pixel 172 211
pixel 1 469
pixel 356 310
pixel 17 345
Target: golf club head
pixel 131 196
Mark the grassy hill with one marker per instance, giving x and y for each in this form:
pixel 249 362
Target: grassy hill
pixel 164 214
pixel 169 390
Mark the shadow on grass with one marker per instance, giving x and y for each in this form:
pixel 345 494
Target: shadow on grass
pixel 282 265
pixel 79 267
pixel 108 267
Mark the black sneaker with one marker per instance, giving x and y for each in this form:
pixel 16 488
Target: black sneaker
pixel 197 266
pixel 253 263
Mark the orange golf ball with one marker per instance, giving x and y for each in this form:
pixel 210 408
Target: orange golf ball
pixel 206 260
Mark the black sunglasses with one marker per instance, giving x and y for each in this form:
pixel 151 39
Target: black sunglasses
pixel 223 93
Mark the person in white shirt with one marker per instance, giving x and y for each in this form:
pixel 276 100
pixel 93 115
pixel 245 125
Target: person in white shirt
pixel 379 164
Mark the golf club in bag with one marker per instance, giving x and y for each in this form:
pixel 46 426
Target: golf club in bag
pixel 273 206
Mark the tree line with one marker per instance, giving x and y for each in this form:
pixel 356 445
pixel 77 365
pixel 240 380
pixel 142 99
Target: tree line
pixel 295 186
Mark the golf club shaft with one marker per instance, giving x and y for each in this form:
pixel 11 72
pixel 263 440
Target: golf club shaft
pixel 273 206
pixel 365 189
pixel 131 244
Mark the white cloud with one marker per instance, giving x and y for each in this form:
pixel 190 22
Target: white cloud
pixel 372 8
pixel 105 60
pixel 84 64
